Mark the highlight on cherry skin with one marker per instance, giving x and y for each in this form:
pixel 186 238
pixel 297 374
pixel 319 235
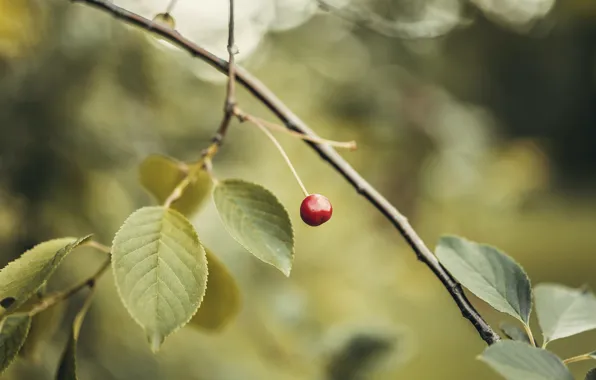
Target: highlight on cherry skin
pixel 315 210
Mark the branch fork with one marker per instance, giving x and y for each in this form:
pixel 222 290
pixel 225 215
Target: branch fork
pixel 327 153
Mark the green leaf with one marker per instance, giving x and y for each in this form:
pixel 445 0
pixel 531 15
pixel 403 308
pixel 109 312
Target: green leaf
pixel 160 270
pixel 514 332
pixel 257 220
pixel 564 311
pixel 488 273
pixel 43 327
pixel 13 333
pixel 160 175
pixel 222 300
pixel 20 279
pixel 520 361
pixel 591 375
pixel 67 369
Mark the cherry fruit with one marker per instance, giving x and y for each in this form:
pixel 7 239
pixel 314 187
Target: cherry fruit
pixel 315 210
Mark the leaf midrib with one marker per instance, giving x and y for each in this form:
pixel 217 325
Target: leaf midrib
pixel 564 313
pixel 504 296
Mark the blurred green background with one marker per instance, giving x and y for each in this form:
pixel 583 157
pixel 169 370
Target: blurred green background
pixel 485 130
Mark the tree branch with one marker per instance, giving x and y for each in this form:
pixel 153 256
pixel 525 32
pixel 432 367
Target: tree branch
pixel 56 298
pixel 230 101
pixel 291 121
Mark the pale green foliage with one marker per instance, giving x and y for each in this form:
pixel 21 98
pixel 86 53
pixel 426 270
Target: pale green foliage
pixel 564 311
pixel 488 273
pixel 67 370
pixel 160 270
pixel 514 332
pixel 257 220
pixel 495 278
pixel 520 361
pixel 12 336
pixel 20 279
pixel 222 300
pixel 160 175
pixel 43 326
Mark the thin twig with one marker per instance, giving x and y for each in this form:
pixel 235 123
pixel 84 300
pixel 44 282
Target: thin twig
pixel 230 101
pixel 55 298
pixel 229 105
pixel 99 246
pixel 244 117
pixel 327 153
pixel 182 185
pixel 78 320
pixel 351 145
pixel 171 6
pixel 231 95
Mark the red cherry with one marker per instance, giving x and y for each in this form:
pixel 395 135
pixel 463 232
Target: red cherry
pixel 315 210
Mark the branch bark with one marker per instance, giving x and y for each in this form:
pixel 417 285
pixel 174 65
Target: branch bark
pixel 230 102
pixel 327 153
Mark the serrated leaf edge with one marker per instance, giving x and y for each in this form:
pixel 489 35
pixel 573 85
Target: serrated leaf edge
pixel 228 318
pixel 10 361
pixel 155 346
pixel 216 184
pixel 548 339
pixel 75 243
pixel 533 348
pixel 531 306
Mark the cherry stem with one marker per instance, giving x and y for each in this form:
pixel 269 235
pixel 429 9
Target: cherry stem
pixel 171 6
pixel 244 117
pixel 578 358
pixel 351 145
pixel 266 97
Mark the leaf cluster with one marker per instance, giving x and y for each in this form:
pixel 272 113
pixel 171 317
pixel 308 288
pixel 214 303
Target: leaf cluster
pixel 497 279
pixel 165 276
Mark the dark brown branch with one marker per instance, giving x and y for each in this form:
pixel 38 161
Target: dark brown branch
pixel 328 154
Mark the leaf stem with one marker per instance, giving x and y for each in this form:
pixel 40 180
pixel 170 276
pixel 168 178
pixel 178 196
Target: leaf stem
pixel 351 145
pixel 230 101
pixel 327 153
pixel 244 117
pixel 78 320
pixel 171 6
pixel 229 105
pixel 182 185
pixel 99 246
pixel 530 335
pixel 577 358
pixel 55 298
